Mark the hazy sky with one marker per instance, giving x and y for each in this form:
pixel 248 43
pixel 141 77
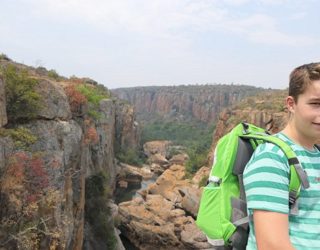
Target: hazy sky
pixel 123 43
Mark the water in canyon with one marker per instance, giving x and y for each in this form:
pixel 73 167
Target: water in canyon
pixel 127 194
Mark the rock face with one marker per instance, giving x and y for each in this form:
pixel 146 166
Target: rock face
pixel 164 218
pixel 3 113
pixel 127 128
pixel 203 103
pixel 56 104
pixel 266 111
pixel 43 183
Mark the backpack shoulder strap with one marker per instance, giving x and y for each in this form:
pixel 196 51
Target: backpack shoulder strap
pixel 298 176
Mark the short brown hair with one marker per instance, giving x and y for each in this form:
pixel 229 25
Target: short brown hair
pixel 301 77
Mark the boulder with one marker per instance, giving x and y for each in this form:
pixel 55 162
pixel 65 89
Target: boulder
pixel 55 103
pixel 200 175
pixel 157 147
pixel 179 159
pixel 158 159
pixel 160 219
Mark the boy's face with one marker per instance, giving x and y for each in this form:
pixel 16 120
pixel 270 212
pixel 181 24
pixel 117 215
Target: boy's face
pixel 306 114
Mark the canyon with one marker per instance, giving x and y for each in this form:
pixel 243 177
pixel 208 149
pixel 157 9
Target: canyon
pixel 59 168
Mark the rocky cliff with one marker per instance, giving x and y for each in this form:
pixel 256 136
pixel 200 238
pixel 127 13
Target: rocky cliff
pixel 51 161
pixel 265 110
pixel 201 102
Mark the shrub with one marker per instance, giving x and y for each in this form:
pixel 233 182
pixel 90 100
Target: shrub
pixel 76 98
pixel 22 137
pixel 93 94
pixel 23 102
pixel 130 156
pixel 197 153
pixel 4 57
pixel 54 75
pixel 80 93
pixel 24 184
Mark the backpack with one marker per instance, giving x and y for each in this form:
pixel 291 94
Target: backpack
pixel 222 213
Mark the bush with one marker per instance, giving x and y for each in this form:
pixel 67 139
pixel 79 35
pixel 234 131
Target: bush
pixel 21 137
pixel 26 181
pixel 197 159
pixel 23 102
pixel 130 156
pixel 54 75
pixel 4 57
pixel 80 94
pixel 93 94
pixel 76 98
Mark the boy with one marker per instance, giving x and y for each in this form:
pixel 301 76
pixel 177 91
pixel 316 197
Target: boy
pixel 266 176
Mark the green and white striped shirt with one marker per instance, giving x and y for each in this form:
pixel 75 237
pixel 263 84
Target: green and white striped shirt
pixel 266 181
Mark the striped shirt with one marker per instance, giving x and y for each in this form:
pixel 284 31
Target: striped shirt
pixel 266 181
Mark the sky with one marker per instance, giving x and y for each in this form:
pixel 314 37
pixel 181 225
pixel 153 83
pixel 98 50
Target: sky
pixel 126 43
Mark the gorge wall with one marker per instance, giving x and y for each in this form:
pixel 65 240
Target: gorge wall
pixel 201 102
pixel 49 162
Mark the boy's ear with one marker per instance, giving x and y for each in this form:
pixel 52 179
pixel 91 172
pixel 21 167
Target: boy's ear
pixel 290 104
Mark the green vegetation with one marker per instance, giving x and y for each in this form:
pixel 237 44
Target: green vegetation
pixel 196 137
pixel 97 212
pixel 130 156
pixel 198 153
pixel 93 94
pixel 23 102
pixel 180 132
pixel 22 137
pixel 4 57
pixel 54 75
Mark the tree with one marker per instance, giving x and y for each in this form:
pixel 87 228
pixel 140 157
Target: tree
pixel 22 101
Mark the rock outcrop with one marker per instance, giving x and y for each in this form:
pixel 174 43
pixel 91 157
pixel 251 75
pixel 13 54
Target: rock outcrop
pixel 127 127
pixel 46 162
pixel 164 217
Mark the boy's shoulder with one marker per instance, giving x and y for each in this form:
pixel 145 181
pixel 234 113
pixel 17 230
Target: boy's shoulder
pixel 268 154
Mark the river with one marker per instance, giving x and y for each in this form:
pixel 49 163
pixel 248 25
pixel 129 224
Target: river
pixel 127 194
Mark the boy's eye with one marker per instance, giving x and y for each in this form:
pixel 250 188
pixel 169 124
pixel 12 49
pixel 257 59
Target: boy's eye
pixel 315 103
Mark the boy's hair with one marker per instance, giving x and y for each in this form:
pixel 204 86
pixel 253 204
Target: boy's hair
pixel 301 77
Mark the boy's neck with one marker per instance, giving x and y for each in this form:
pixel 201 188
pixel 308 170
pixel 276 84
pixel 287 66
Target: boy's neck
pixel 297 138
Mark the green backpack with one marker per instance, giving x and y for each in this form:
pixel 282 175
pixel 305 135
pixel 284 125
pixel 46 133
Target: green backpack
pixel 222 213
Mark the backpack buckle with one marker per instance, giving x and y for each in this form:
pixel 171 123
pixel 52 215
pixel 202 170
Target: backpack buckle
pixel 292 197
pixel 293 202
pixel 245 128
pixel 215 179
